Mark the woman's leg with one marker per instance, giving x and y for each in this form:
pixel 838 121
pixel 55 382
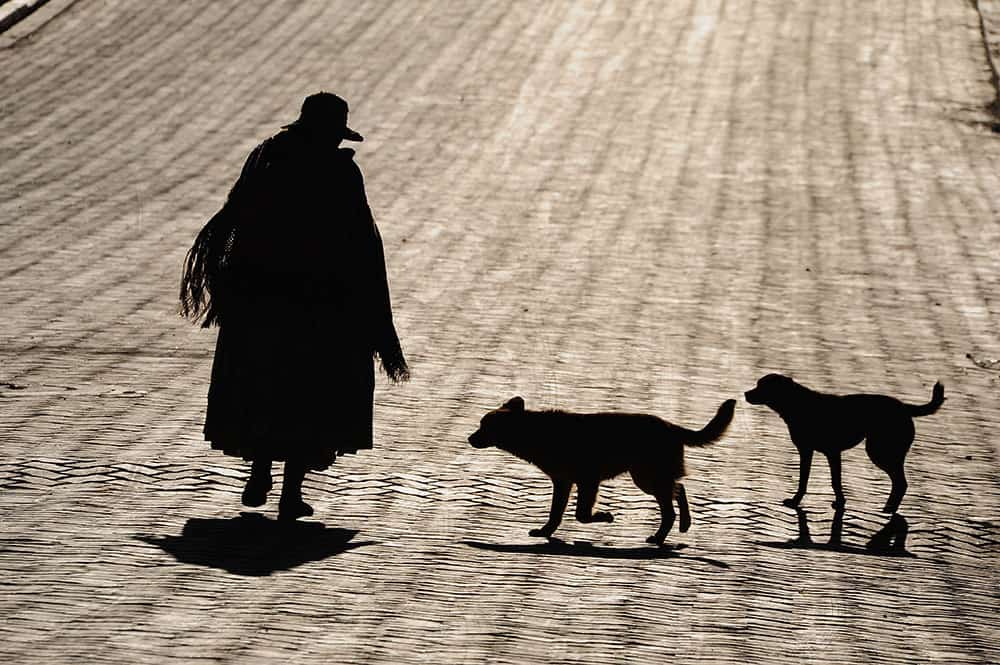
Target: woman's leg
pixel 291 505
pixel 258 484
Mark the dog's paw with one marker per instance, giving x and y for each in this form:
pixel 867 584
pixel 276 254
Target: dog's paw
pixel 685 523
pixel 793 502
pixel 540 533
pixel 656 539
pixel 602 516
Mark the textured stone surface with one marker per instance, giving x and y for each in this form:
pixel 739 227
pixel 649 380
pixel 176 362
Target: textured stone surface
pixel 989 21
pixel 596 205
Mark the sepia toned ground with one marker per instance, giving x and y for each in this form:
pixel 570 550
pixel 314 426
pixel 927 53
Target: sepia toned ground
pixel 596 205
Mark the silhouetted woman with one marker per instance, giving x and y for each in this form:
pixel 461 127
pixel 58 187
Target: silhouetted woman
pixel 292 271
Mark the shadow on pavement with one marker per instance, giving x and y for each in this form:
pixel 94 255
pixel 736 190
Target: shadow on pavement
pixel 890 540
pixel 581 548
pixel 252 544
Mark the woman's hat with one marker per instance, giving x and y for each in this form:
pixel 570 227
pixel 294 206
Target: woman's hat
pixel 327 111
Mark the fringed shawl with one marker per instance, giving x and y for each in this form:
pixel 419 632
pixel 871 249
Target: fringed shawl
pixel 263 195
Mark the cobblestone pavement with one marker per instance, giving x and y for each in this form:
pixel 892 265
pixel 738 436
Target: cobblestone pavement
pixel 597 205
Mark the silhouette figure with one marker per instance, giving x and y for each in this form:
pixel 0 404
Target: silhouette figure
pixel 584 449
pixel 292 271
pixel 890 540
pixel 831 424
pixel 253 545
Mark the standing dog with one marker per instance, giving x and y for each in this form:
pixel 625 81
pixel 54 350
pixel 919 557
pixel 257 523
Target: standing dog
pixel 584 449
pixel 831 424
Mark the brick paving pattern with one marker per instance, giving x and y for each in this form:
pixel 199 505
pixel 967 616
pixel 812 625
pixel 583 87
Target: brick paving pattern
pixel 593 204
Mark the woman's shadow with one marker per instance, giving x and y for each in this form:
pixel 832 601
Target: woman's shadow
pixel 253 544
pixel 890 540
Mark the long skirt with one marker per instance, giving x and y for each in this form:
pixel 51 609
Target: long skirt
pixel 291 391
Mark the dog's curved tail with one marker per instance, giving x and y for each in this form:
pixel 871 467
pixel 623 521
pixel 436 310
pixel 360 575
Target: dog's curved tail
pixel 937 399
pixel 715 428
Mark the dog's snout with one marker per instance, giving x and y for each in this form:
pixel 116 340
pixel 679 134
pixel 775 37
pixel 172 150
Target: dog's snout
pixel 476 439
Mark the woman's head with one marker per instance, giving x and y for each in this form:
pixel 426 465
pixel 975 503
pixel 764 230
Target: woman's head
pixel 324 113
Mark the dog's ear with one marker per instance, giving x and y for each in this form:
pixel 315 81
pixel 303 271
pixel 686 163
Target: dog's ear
pixel 514 404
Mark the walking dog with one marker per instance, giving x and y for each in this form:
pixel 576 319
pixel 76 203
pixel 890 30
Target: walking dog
pixel 584 449
pixel 831 424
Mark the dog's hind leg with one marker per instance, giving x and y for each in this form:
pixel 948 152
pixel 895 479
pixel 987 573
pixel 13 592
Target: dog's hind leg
pixel 560 497
pixel 838 489
pixel 898 477
pixel 682 504
pixel 664 492
pixel 805 464
pixel 899 485
pixel 887 449
pixel 667 515
pixel 586 497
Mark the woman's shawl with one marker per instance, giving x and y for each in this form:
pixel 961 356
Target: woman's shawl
pixel 283 190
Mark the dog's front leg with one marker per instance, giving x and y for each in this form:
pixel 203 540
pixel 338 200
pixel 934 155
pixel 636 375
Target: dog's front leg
pixel 805 464
pixel 838 490
pixel 560 497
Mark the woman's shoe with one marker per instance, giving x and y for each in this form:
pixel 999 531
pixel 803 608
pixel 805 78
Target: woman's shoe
pixel 294 509
pixel 255 492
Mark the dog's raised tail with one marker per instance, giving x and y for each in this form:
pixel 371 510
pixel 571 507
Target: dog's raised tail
pixel 715 428
pixel 937 399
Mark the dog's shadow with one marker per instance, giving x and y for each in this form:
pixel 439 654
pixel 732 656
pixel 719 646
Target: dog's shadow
pixel 890 540
pixel 252 544
pixel 557 547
